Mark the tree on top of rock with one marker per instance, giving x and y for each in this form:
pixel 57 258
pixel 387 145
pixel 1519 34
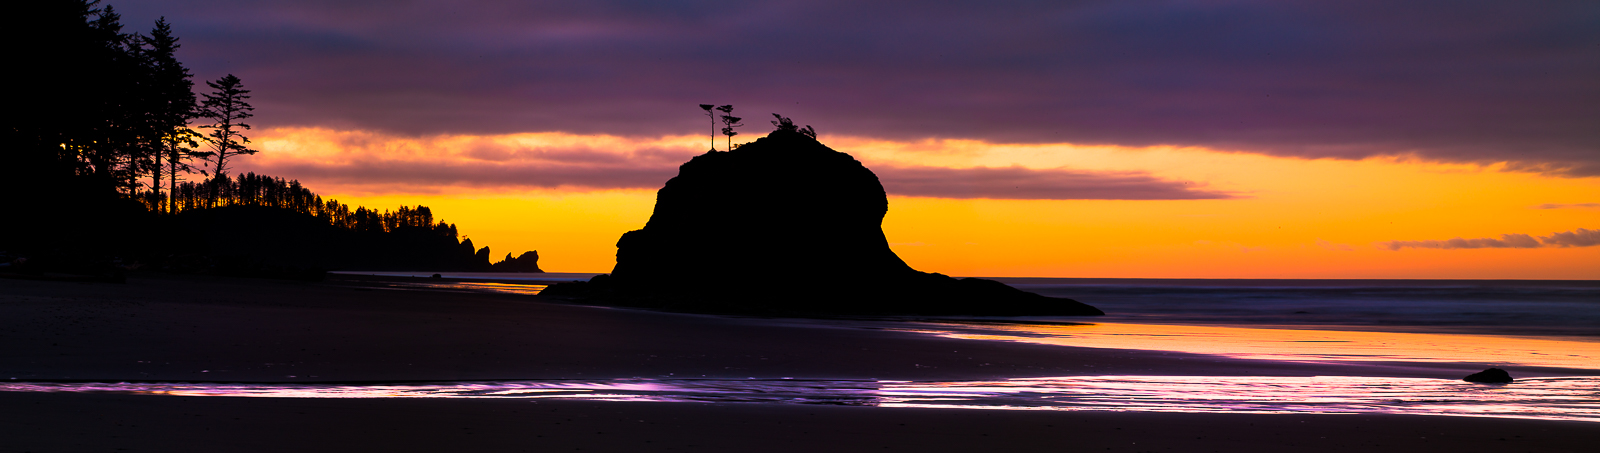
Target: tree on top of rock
pixel 713 116
pixel 728 123
pixel 785 124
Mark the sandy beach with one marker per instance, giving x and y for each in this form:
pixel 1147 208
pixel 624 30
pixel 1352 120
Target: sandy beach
pixel 206 329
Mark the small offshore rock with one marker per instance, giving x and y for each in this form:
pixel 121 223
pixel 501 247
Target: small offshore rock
pixel 528 262
pixel 1489 376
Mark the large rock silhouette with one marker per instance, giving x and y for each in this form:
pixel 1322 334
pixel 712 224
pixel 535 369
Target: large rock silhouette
pixel 786 225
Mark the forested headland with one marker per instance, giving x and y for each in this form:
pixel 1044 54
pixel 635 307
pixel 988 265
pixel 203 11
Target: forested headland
pixel 113 163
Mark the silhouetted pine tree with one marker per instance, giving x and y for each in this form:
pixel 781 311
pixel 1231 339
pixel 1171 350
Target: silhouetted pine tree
pixel 707 108
pixel 785 124
pixel 728 123
pixel 227 108
pixel 172 89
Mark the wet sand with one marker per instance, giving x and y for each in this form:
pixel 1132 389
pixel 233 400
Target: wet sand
pixel 162 328
pixel 75 422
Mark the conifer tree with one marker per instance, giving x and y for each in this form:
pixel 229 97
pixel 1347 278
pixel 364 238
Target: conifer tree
pixel 172 90
pixel 707 108
pixel 108 142
pixel 728 123
pixel 227 108
pixel 785 124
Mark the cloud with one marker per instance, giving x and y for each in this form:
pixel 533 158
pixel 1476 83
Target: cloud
pixel 365 161
pixel 1568 206
pixel 1018 183
pixel 425 176
pixel 375 162
pixel 1581 237
pixel 1441 80
pixel 1521 241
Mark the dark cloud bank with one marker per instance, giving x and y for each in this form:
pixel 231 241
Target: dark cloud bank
pixel 1459 81
pixel 1582 237
pixel 982 182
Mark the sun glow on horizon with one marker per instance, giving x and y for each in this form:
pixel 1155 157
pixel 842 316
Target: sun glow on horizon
pixel 571 196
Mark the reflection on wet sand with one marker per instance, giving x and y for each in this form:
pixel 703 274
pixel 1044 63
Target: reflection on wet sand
pixel 1563 398
pixel 474 287
pixel 1300 345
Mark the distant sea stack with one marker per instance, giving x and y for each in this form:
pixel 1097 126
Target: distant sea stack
pixel 527 262
pixel 1490 376
pixel 785 225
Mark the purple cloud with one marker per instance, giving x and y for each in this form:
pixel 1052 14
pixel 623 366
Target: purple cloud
pixel 1567 206
pixel 584 173
pixel 1018 183
pixel 428 176
pixel 1480 82
pixel 1581 237
pixel 1521 241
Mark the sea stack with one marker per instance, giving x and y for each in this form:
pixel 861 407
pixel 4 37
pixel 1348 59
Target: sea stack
pixel 786 225
pixel 526 262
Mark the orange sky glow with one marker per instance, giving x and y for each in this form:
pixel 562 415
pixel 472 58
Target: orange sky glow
pixel 571 196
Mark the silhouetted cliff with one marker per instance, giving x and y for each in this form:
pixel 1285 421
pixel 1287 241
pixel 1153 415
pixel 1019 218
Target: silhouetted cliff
pixel 786 225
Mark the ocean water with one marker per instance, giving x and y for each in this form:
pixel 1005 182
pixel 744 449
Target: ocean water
pixel 1553 324
pixel 1536 323
pixel 1493 307
pixel 1546 308
pixel 1526 323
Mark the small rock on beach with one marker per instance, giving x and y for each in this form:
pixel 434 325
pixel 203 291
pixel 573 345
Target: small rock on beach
pixel 1489 376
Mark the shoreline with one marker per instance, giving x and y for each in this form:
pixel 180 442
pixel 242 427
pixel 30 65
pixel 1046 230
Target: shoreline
pixel 1128 308
pixel 217 328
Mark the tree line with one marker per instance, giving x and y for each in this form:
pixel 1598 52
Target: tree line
pixel 110 156
pixel 105 113
pixel 101 107
pixel 250 189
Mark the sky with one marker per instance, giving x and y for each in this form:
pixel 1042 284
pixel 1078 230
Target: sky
pixel 1204 139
